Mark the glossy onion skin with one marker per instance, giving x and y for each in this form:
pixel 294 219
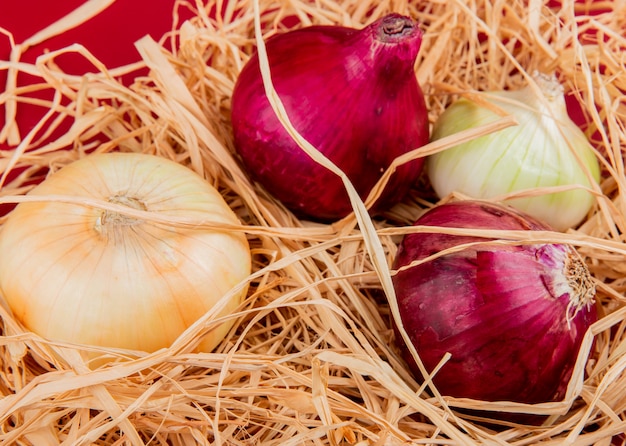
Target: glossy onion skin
pixel 501 313
pixel 74 273
pixel 351 93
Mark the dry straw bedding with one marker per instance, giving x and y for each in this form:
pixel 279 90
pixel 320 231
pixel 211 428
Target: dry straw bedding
pixel 311 358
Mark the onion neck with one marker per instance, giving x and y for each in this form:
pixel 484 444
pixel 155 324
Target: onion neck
pixel 550 101
pixel 111 222
pixel 389 48
pixel 395 28
pixel 549 85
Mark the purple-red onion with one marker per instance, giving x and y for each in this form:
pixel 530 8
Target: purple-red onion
pixel 353 95
pixel 512 316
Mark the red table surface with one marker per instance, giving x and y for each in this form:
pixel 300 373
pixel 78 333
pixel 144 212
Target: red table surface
pixel 109 36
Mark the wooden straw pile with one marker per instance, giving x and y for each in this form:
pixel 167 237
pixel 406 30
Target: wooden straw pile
pixel 311 358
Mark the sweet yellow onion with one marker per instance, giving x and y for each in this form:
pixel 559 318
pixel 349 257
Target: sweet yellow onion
pixel 80 273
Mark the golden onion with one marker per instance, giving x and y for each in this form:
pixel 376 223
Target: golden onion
pixel 80 273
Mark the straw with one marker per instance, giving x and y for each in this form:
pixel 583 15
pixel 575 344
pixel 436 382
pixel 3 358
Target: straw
pixel 311 358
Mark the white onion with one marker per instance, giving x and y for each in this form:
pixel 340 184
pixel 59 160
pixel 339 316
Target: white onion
pixel 546 149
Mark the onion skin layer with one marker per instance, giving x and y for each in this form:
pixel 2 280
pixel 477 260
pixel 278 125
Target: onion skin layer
pixel 352 94
pixel 502 312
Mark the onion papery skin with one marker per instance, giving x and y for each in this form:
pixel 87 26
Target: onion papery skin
pixel 512 316
pixel 77 273
pixel 541 151
pixel 353 95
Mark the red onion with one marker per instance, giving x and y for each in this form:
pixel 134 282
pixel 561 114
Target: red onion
pixel 352 94
pixel 512 316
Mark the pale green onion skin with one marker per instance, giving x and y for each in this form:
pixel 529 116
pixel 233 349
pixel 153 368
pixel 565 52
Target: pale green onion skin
pixel 536 153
